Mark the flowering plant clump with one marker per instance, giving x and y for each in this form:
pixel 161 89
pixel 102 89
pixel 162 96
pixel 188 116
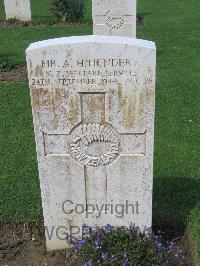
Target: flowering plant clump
pixel 125 246
pixel 68 10
pixel 5 64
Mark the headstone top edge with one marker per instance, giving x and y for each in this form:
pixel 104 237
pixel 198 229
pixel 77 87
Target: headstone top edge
pixel 91 39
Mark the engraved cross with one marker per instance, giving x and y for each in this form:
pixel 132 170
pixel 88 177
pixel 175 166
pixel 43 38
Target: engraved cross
pixel 95 144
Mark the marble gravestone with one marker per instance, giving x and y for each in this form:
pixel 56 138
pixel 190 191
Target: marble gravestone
pixel 19 9
pixel 93 112
pixel 114 17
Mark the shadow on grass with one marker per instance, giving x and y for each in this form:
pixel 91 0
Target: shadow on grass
pixel 173 200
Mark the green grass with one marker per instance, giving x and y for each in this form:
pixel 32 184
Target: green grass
pixel 20 38
pixel 194 227
pixel 177 128
pixel 174 26
pixel 2 12
pixel 41 12
pixel 19 184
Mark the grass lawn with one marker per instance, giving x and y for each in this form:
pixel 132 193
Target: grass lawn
pixel 41 13
pixel 174 26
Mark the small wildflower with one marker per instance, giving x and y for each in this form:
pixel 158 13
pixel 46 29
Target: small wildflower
pixel 109 228
pixel 104 255
pixel 124 255
pixel 67 241
pixel 131 226
pixel 178 254
pixel 81 243
pixel 125 259
pixel 103 246
pixel 86 229
pixel 97 244
pixel 158 244
pixel 170 245
pixel 149 232
pixel 89 263
pixel 167 262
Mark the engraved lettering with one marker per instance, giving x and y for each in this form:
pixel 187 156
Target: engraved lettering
pixel 48 63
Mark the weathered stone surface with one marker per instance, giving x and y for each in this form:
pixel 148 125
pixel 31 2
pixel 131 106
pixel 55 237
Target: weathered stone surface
pixel 93 111
pixel 19 9
pixel 114 17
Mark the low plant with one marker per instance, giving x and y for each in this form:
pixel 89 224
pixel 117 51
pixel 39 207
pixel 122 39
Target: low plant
pixel 5 64
pixel 68 10
pixel 125 246
pixel 12 20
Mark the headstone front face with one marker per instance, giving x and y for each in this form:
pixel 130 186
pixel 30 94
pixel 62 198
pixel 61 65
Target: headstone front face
pixel 19 9
pixel 114 17
pixel 93 110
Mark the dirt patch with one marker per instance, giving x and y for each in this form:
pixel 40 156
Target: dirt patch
pixel 176 231
pixel 21 24
pixel 24 244
pixel 18 24
pixel 140 20
pixel 187 245
pixel 14 23
pixel 18 74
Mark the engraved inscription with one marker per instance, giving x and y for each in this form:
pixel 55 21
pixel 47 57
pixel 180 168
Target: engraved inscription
pixel 85 71
pixel 114 20
pixel 95 144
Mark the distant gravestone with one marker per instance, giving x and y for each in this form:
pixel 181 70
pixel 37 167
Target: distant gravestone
pixel 19 9
pixel 93 111
pixel 114 17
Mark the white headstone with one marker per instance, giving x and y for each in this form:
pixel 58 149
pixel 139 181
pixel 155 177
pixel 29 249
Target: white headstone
pixel 114 17
pixel 19 9
pixel 93 110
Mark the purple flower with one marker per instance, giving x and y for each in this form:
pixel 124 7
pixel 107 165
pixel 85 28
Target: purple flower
pixel 89 263
pixel 104 255
pixel 170 245
pixel 81 243
pixel 125 262
pixel 96 227
pixel 97 244
pixel 178 254
pixel 84 225
pixel 86 229
pixel 167 262
pixel 124 255
pixel 109 228
pixel 149 232
pixel 67 241
pixel 158 245
pixel 125 259
pixel 131 226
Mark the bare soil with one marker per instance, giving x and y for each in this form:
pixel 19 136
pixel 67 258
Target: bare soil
pixel 18 74
pixel 24 245
pixel 18 24
pixel 21 24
